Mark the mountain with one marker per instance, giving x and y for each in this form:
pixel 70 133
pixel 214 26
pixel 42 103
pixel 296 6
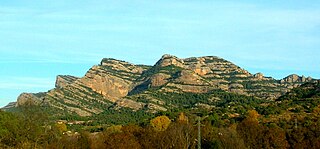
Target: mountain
pixel 171 83
pixel 303 99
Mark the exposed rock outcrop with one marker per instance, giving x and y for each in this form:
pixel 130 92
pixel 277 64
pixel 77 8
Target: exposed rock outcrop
pixel 129 104
pixel 259 76
pixel 64 80
pixel 122 84
pixel 189 77
pixel 167 60
pixel 9 105
pixel 110 86
pixel 295 78
pixel 159 79
pixel 28 99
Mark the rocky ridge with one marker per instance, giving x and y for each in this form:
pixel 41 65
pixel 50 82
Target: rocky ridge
pixel 115 83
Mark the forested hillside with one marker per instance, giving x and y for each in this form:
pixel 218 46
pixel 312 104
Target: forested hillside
pixel 234 121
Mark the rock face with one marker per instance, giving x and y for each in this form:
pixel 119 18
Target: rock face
pixel 110 86
pixel 159 79
pixel 167 60
pixel 27 98
pixel 64 80
pixel 259 76
pixel 295 78
pixel 191 78
pixel 9 105
pixel 121 84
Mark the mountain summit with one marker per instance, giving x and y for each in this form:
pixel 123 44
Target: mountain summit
pixel 115 83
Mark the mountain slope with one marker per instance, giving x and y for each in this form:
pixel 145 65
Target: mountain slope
pixel 116 84
pixel 303 99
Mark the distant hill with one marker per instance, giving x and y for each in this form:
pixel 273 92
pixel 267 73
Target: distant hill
pixel 172 83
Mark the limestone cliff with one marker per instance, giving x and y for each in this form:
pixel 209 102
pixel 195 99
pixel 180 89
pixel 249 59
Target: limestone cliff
pixel 64 80
pixel 115 83
pixel 28 99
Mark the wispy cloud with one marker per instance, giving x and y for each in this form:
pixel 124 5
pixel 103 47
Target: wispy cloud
pixel 84 32
pixel 26 83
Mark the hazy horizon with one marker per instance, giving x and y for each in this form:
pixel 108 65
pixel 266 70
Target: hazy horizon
pixel 42 39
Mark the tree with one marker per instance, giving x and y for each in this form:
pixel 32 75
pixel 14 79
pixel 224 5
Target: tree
pixel 274 137
pixel 61 127
pixel 160 123
pixel 250 130
pixel 121 141
pixel 9 129
pixel 178 135
pixel 182 118
pixel 253 114
pixel 28 127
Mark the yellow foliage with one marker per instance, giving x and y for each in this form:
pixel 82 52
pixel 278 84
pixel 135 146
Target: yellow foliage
pixel 160 123
pixel 316 110
pixel 253 114
pixel 233 126
pixel 182 118
pixel 62 127
pixel 114 129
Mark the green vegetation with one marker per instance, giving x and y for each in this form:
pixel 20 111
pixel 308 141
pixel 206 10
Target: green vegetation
pixel 292 121
pixel 122 116
pixel 171 70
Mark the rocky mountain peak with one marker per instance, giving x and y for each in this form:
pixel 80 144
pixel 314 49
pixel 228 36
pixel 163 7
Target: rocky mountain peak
pixel 167 60
pixel 106 61
pixel 296 78
pixel 258 75
pixel 28 98
pixel 165 56
pixel 116 65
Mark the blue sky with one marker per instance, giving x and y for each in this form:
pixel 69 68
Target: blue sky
pixel 40 39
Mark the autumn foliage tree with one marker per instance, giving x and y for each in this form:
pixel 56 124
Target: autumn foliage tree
pixel 250 130
pixel 121 141
pixel 182 118
pixel 256 135
pixel 160 123
pixel 274 137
